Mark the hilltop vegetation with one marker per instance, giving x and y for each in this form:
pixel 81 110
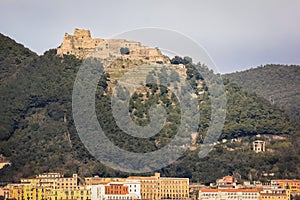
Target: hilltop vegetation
pixel 38 132
pixel 12 57
pixel 279 84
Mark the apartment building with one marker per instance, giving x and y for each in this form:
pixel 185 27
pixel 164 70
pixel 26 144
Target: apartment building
pixel 292 185
pixel 53 180
pixel 157 187
pixel 68 194
pixel 232 194
pixel 26 192
pixel 226 182
pixel 115 190
pixel 275 194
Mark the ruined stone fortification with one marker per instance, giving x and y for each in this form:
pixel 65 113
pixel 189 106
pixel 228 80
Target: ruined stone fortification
pixel 82 45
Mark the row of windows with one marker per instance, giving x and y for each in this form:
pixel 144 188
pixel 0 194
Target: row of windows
pixel 67 187
pixel 246 197
pixel 149 181
pixel 71 198
pixel 132 185
pixel 166 181
pixel 164 196
pixel 209 194
pixel 180 191
pixel 177 195
pixel 234 193
pixel 66 184
pixel 66 180
pixel 118 197
pixel 174 186
pixel 268 197
pixel 174 182
pixel 72 192
pixel 115 186
pixel 163 186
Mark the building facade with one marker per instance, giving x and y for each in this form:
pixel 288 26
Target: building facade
pixel 116 191
pixel 69 194
pixel 226 182
pixel 292 185
pixel 53 180
pixel 233 194
pixel 156 187
pixel 48 186
pixel 275 194
pixel 26 192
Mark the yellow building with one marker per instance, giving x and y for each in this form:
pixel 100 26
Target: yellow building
pixel 74 194
pixel 15 191
pixel 53 180
pixel 156 187
pixel 174 188
pixel 32 192
pixel 27 192
pixel 48 186
pixel 67 183
pixel 292 185
pixel 277 194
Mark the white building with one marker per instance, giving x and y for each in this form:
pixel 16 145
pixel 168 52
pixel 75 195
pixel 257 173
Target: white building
pixel 134 188
pixel 97 191
pixel 128 190
pixel 259 146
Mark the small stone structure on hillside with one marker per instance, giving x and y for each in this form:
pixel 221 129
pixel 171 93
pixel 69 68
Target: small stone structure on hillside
pixel 82 45
pixel 259 146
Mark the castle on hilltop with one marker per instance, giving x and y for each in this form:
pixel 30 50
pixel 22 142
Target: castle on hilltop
pixel 82 45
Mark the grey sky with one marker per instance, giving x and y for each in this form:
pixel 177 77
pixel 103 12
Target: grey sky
pixel 237 34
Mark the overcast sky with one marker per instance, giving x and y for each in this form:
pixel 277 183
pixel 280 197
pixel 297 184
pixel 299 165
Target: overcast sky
pixel 237 34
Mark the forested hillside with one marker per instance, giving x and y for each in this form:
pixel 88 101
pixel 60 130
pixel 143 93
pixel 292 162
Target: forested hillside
pixel 38 133
pixel 279 84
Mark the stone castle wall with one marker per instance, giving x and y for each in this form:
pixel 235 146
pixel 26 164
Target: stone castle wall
pixel 82 45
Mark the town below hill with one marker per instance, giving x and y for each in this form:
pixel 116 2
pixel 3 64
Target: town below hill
pixel 51 186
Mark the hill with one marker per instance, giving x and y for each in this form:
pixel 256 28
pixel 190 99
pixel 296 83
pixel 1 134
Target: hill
pixel 38 132
pixel 12 55
pixel 279 84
